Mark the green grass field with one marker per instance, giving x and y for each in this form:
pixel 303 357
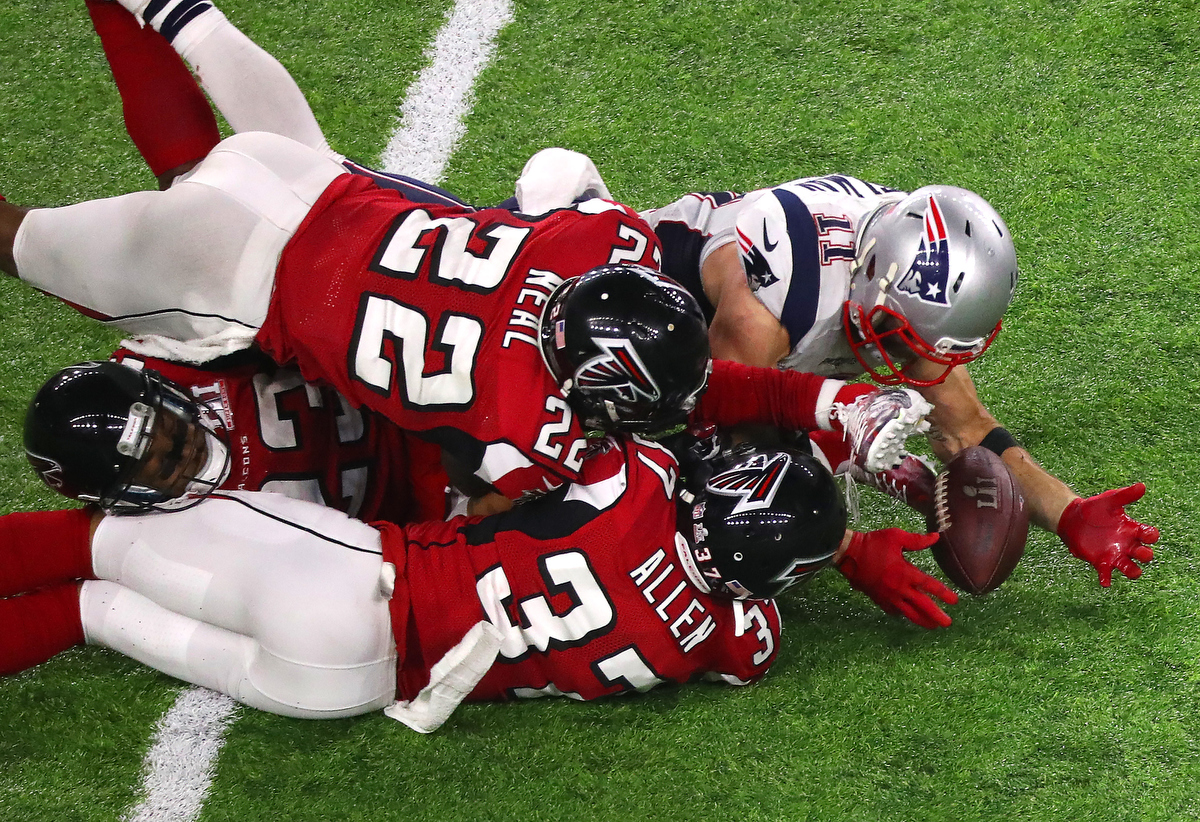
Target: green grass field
pixel 1050 699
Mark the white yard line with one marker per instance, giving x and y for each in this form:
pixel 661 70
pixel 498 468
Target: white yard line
pixel 180 764
pixel 433 116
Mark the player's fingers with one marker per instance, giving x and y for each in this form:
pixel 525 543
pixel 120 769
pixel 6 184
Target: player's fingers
pixel 1147 534
pixel 922 611
pixel 933 586
pixel 1129 568
pixel 1142 554
pixel 1105 572
pixel 914 616
pixel 886 606
pixel 919 542
pixel 1128 494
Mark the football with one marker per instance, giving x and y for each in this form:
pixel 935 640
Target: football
pixel 981 516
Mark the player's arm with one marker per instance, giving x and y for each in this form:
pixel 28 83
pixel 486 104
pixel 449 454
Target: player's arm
pixel 876 423
pixel 793 400
pixel 960 420
pixel 742 329
pixel 1095 529
pixel 482 498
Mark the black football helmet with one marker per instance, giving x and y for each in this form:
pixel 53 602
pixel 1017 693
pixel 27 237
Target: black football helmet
pixel 89 427
pixel 766 520
pixel 628 346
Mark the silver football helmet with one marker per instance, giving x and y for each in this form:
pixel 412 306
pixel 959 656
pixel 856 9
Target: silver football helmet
pixel 933 275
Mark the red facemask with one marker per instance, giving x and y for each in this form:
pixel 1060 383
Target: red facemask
pixel 899 342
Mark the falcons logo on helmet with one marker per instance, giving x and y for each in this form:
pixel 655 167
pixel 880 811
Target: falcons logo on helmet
pixel 618 370
pixel 49 470
pixel 800 570
pixel 755 481
pixel 930 271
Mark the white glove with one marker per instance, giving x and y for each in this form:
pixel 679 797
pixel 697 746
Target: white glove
pixel 555 178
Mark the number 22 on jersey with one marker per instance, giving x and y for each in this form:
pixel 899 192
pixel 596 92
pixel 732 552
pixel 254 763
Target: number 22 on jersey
pixel 403 255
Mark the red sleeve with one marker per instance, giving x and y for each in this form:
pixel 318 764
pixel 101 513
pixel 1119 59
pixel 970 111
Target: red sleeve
pixel 740 394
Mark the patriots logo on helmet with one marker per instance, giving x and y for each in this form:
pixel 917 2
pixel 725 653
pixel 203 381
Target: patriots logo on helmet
pixel 758 271
pixel 926 279
pixel 619 370
pixel 755 481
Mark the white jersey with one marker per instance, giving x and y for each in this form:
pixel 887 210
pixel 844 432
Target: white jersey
pixel 810 262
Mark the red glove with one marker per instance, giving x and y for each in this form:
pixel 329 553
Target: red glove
pixel 875 564
pixel 1098 530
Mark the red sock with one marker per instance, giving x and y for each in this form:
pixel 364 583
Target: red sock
pixel 833 445
pixel 40 548
pixel 36 626
pixel 167 115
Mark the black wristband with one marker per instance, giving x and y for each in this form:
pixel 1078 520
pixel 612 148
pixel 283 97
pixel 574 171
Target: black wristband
pixel 998 440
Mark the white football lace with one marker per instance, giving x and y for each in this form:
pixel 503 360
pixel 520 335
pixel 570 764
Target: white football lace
pixel 941 501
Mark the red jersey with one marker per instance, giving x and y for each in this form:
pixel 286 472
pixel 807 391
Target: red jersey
pixel 429 315
pixel 308 442
pixel 585 585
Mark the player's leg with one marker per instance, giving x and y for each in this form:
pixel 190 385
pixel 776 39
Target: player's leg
pixel 253 90
pixel 39 548
pixel 248 86
pixel 194 263
pixel 299 581
pixel 38 625
pixel 11 218
pixel 166 114
pixel 194 651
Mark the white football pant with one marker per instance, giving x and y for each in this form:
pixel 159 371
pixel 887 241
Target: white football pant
pixel 189 269
pixel 273 601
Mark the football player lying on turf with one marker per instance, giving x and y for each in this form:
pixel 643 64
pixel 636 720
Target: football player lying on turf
pixel 577 365
pixel 170 120
pixel 840 277
pixel 217 28
pixel 798 289
pixel 247 425
pixel 613 583
pixel 462 326
pixel 132 441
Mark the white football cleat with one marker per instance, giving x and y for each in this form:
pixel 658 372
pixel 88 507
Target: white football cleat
pixel 877 426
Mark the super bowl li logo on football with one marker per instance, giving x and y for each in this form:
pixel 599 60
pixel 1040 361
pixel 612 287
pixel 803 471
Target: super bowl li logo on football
pixel 985 492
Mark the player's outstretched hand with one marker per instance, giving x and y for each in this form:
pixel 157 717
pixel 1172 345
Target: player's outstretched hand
pixel 874 563
pixel 1097 530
